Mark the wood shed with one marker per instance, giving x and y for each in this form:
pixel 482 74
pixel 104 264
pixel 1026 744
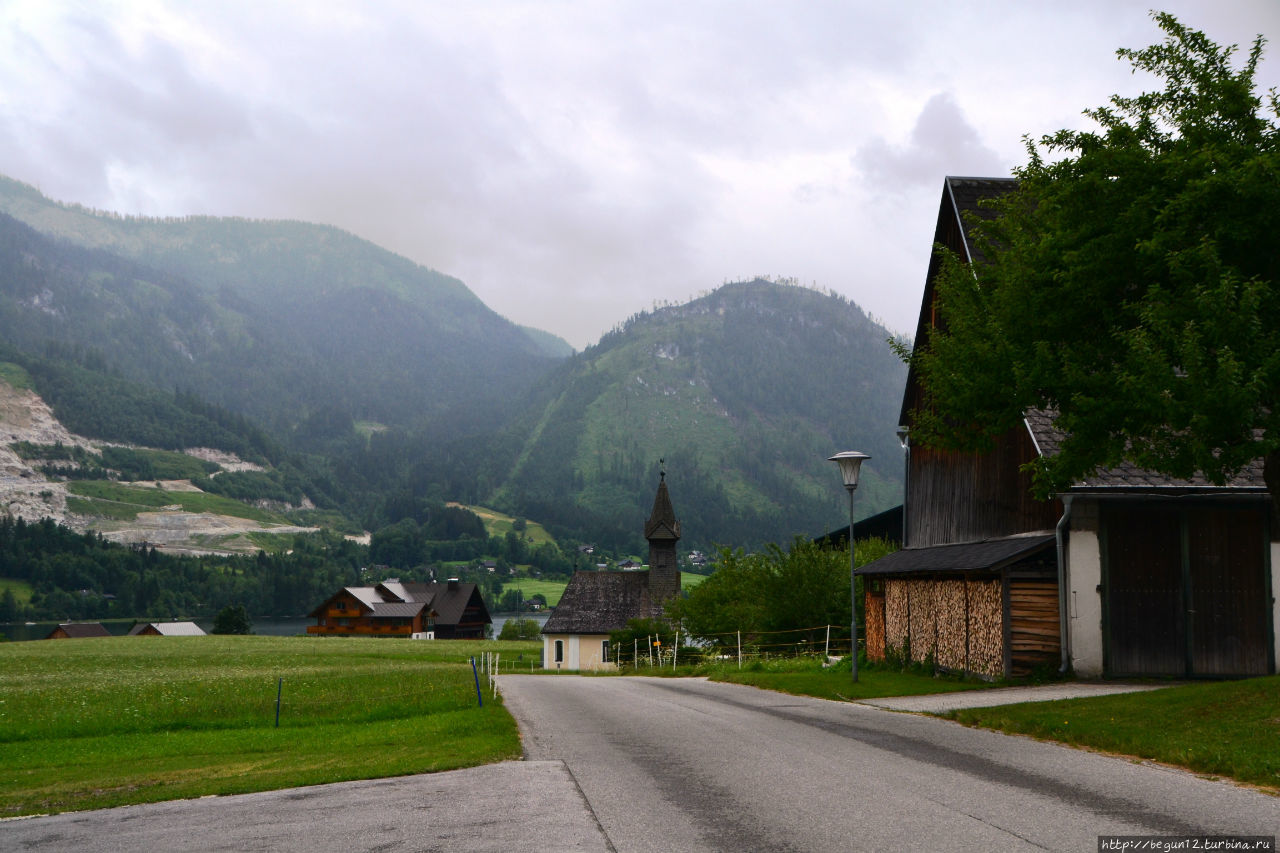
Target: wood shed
pixel 985 608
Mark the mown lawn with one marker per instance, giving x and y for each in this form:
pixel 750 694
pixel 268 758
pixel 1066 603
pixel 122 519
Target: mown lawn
pixel 1224 728
pixel 806 676
pixel 106 722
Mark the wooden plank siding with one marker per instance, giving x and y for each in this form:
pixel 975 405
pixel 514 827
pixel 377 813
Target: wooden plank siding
pixel 969 497
pixel 1035 632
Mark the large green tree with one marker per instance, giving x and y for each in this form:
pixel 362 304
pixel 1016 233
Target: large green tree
pixel 1129 285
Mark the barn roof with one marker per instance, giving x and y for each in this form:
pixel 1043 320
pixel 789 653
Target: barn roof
pixel 601 603
pixel 987 556
pixel 1048 438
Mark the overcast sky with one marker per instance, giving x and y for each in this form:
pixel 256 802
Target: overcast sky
pixel 573 162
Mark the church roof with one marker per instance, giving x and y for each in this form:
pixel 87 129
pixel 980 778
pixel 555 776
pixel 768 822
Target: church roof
pixel 601 603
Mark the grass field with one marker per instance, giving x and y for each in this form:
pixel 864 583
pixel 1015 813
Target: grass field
pixel 1226 728
pixel 108 499
pixel 550 590
pixel 106 722
pixel 498 524
pixel 21 589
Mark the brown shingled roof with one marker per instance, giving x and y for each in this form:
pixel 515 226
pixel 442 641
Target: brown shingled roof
pixel 601 603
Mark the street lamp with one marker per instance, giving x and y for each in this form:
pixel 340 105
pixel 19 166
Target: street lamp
pixel 850 461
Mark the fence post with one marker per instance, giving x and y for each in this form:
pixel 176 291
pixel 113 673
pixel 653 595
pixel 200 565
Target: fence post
pixel 476 676
pixel 826 650
pixel 279 690
pixel 739 650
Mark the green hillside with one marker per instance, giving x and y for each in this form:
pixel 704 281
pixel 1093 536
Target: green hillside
pixel 302 326
pixel 744 393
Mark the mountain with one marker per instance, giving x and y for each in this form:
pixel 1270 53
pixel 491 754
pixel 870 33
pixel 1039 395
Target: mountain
pixel 289 322
pixel 744 392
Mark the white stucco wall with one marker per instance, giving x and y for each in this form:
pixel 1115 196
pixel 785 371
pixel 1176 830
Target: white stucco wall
pixel 1275 601
pixel 581 652
pixel 1084 602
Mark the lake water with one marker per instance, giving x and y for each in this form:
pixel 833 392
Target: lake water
pixel 265 627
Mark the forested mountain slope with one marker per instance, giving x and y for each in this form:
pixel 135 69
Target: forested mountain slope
pixel 744 392
pixel 289 322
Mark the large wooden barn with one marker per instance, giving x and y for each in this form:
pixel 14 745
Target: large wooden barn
pixel 1127 573
pixel 437 611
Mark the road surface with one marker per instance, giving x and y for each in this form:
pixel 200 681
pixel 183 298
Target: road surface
pixel 690 765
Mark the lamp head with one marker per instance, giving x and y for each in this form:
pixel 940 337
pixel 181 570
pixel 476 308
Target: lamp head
pixel 849 461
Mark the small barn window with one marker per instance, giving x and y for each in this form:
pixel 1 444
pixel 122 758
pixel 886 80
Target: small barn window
pixel 604 651
pixel 559 651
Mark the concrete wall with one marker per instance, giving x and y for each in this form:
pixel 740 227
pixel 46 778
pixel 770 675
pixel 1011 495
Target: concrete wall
pixel 1084 602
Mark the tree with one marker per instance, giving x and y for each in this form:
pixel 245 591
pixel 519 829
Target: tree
pixel 520 629
pixel 232 620
pixel 1128 286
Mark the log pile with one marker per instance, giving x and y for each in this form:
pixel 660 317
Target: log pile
pixel 922 621
pixel 951 626
pixel 874 616
pixel 896 608
pixel 986 628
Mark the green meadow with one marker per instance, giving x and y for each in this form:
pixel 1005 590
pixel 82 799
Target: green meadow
pixel 107 722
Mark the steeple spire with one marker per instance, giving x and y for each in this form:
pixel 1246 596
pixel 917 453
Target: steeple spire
pixel 663 530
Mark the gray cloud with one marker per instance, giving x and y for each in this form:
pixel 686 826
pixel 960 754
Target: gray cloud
pixel 942 142
pixel 572 162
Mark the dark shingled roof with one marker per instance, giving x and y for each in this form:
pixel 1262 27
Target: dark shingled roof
pixel 662 523
pixel 1048 438
pixel 78 630
pixel 602 602
pixel 989 556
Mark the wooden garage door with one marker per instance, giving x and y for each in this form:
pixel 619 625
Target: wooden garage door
pixel 1186 590
pixel 1143 593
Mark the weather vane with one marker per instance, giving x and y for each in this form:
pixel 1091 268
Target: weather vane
pixel 662 468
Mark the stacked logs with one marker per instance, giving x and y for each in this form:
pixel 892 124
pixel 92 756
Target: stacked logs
pixel 957 623
pixel 874 618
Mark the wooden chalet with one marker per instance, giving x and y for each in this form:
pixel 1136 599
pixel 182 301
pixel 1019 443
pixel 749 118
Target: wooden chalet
pixel 429 611
pixel 78 630
pixel 1127 573
pixel 595 604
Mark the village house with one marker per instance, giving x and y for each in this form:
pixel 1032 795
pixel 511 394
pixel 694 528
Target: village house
pixel 1126 573
pixel 595 604
pixel 78 631
pixel 427 611
pixel 166 629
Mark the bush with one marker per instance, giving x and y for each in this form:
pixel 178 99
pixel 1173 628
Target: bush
pixel 232 620
pixel 520 629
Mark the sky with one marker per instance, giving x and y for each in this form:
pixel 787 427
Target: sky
pixel 574 163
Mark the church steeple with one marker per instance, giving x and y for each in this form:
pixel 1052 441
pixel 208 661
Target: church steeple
pixel 663 530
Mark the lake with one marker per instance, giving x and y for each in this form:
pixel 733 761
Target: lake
pixel 268 627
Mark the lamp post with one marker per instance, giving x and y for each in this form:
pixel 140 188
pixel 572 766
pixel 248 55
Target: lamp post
pixel 850 461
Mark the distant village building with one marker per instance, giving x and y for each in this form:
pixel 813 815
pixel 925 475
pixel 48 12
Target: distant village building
pixel 426 611
pixel 166 629
pixel 78 631
pixel 595 604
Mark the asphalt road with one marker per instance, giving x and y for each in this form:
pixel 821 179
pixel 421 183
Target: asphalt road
pixel 688 765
